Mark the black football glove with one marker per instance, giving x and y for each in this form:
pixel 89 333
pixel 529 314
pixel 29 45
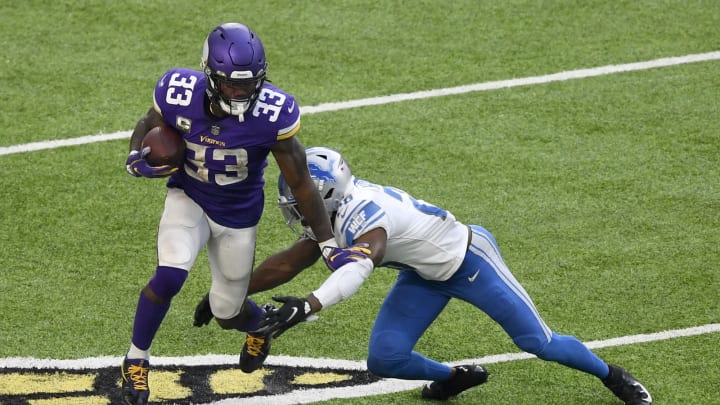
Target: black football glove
pixel 203 313
pixel 292 312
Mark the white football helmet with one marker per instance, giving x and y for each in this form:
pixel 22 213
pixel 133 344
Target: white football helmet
pixel 333 179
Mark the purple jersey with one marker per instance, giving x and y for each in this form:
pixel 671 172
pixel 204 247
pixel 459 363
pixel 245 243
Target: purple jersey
pixel 225 159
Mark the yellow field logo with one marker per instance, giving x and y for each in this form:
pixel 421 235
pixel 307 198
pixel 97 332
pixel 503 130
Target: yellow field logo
pixel 169 384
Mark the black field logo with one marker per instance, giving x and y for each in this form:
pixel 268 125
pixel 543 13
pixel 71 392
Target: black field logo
pixel 168 384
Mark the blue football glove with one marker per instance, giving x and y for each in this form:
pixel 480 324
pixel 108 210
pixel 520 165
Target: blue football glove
pixel 336 257
pixel 137 166
pixel 292 312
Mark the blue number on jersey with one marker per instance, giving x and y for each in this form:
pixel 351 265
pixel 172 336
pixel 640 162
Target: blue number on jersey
pixel 423 207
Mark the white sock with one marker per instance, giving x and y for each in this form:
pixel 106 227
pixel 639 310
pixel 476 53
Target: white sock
pixel 135 353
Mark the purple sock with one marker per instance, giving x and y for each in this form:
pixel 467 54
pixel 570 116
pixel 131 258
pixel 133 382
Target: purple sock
pixel 253 321
pixel 166 283
pixel 148 317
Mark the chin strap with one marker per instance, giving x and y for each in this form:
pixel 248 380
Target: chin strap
pixel 216 110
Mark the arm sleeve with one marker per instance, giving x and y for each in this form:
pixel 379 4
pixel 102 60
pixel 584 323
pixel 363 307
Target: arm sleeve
pixel 343 282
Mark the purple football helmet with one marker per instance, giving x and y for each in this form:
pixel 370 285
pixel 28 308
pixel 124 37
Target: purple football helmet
pixel 234 62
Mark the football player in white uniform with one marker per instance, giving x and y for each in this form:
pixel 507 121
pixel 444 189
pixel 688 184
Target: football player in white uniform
pixel 438 258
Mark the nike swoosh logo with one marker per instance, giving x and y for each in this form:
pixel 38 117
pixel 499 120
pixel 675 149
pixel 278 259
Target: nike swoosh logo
pixel 474 276
pixel 291 108
pixel 292 315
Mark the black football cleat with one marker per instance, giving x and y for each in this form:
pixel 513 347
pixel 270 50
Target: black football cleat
pixel 465 377
pixel 135 389
pixel 626 387
pixel 256 348
pixel 254 351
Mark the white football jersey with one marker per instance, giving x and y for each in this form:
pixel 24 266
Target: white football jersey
pixel 421 236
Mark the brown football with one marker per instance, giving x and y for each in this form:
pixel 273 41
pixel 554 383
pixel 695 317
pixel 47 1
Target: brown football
pixel 167 146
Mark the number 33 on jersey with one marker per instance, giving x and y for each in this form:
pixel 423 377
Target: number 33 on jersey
pixel 224 155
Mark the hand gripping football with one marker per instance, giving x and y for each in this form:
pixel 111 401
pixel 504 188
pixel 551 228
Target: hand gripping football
pixel 167 146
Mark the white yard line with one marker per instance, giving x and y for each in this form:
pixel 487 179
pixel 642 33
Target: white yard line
pixel 344 105
pixel 385 386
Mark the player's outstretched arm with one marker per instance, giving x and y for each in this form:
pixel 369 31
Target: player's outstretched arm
pixel 341 285
pixel 283 266
pixel 277 269
pixel 354 266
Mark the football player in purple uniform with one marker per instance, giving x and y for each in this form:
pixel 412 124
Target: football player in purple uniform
pixel 439 258
pixel 231 118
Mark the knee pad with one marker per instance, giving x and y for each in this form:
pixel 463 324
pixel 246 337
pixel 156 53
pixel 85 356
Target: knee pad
pixel 533 344
pixel 167 282
pixel 223 306
pixel 386 354
pixel 175 248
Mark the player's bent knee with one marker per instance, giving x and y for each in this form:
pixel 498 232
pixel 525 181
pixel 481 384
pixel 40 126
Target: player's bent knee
pixel 167 282
pixel 224 307
pixel 533 344
pixel 227 323
pixel 386 358
pixel 239 321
